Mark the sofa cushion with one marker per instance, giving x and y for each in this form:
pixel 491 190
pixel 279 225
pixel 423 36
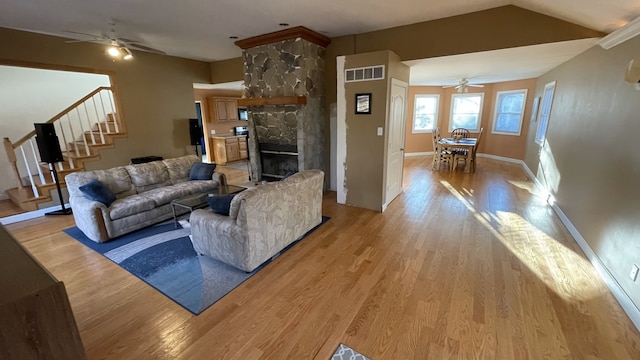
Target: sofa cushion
pixel 202 171
pixel 130 205
pixel 116 179
pixel 148 176
pixel 180 167
pixel 196 186
pixel 97 191
pixel 166 194
pixel 220 204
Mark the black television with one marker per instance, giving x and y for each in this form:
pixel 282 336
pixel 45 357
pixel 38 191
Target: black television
pixel 243 114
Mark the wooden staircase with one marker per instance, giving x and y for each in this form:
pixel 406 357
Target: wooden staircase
pixel 25 198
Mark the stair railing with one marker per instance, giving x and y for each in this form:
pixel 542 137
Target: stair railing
pixel 84 123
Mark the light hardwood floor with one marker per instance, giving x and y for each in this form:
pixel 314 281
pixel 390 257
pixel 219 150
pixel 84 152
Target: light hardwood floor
pixel 460 266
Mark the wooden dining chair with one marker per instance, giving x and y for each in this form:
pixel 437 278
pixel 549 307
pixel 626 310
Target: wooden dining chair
pixel 462 132
pixel 469 155
pixel 440 154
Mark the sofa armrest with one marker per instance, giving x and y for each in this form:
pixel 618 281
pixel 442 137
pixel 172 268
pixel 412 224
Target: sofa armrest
pixel 220 178
pixel 219 237
pixel 91 217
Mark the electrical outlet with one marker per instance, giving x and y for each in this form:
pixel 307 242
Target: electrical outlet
pixel 634 272
pixel 213 132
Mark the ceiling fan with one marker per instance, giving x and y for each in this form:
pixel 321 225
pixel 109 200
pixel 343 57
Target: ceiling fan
pixel 463 85
pixel 118 47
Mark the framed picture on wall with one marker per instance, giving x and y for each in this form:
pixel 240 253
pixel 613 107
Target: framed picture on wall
pixel 534 109
pixel 363 103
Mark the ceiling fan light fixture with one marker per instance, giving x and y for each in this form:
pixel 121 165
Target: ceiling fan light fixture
pixel 113 51
pixel 127 53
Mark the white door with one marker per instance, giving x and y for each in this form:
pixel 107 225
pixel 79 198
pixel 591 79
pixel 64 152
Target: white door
pixel 395 140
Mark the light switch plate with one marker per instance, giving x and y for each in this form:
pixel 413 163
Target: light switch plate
pixel 379 131
pixel 634 272
pixel 213 132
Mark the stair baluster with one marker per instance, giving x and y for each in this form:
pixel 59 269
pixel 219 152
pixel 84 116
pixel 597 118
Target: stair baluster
pixel 18 152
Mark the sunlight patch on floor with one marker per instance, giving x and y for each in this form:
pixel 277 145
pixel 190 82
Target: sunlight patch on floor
pixel 538 252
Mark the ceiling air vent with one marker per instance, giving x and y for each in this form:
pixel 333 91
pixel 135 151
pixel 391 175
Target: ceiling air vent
pixel 364 73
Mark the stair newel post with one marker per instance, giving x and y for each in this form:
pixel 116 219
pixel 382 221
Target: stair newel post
pixel 11 156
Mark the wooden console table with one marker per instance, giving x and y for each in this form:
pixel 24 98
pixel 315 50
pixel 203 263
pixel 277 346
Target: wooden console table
pixel 37 322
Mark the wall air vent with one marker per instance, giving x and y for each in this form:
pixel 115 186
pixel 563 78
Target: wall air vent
pixel 364 73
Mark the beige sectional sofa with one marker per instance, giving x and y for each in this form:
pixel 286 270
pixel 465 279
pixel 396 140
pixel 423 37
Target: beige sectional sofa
pixel 262 221
pixel 143 195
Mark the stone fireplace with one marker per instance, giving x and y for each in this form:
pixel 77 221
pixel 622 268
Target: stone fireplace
pixel 284 93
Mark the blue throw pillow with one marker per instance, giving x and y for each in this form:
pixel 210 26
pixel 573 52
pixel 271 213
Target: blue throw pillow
pixel 202 171
pixel 220 204
pixel 97 191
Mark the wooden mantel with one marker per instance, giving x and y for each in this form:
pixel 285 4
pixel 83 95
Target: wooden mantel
pixel 292 33
pixel 280 100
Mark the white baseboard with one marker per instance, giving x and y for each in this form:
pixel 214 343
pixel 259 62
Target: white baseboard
pixel 426 153
pixel 618 292
pixel 28 215
pixel 500 158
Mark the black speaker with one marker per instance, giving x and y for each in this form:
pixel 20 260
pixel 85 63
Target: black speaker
pixel 195 132
pixel 48 145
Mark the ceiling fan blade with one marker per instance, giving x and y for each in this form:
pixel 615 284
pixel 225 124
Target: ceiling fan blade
pixel 95 37
pixel 137 46
pixel 474 85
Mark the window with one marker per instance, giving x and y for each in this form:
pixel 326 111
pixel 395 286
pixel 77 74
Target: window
pixel 507 119
pixel 545 111
pixel 465 111
pixel 425 113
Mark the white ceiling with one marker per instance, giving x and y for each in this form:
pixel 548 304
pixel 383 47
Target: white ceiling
pixel 497 65
pixel 199 29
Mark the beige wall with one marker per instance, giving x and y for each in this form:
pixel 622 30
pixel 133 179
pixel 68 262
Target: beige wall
pixel 590 162
pixel 155 92
pixel 227 70
pixel 498 28
pixel 365 161
pixel 509 146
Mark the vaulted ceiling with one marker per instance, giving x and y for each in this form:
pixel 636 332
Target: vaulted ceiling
pixel 199 29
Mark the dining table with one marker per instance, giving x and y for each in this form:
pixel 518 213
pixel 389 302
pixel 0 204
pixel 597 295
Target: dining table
pixel 468 144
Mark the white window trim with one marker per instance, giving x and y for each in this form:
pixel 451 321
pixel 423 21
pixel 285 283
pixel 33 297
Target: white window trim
pixel 496 112
pixel 436 115
pixel 453 96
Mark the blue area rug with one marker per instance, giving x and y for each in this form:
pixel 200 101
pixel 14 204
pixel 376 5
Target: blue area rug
pixel 163 257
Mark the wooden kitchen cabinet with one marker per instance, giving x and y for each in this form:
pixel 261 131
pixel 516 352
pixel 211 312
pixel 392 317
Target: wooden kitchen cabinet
pixel 222 109
pixel 242 145
pixel 229 148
